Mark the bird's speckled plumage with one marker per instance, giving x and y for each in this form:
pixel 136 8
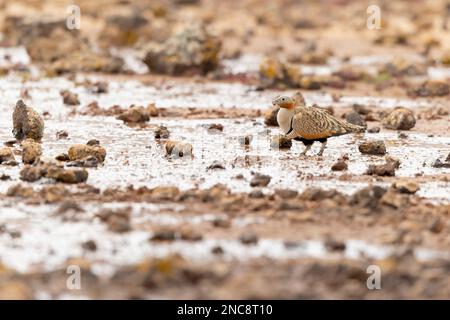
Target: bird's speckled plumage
pixel 27 123
pixel 309 124
pixel 313 123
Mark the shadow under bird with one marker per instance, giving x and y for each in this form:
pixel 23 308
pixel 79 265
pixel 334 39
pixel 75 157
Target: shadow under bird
pixel 309 124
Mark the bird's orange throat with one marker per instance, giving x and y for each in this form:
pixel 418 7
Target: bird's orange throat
pixel 287 105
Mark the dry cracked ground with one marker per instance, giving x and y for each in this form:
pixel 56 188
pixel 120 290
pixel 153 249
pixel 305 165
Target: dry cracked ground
pixel 150 164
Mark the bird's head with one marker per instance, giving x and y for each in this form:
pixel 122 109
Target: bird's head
pixel 284 102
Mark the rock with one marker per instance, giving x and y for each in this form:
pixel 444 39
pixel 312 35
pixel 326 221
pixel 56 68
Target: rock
pixel 69 98
pixel 270 116
pixel 189 234
pixel 82 151
pixel 178 148
pixel 361 109
pixel 135 114
pixel 31 151
pixel 373 130
pixel 97 87
pixel 215 166
pixel 355 118
pixel 334 245
pixel 245 140
pixel 395 161
pixel 162 132
pixel 260 180
pixel 280 142
pixel 375 147
pixel 192 51
pixel 399 119
pixel 27 123
pixel 6 154
pixel 62 134
pixel 394 199
pixel 215 127
pixel 439 164
pixel 18 190
pixel 70 176
pixel 118 220
pixel 221 223
pixel 286 193
pixel 62 157
pixel 430 88
pixel 218 250
pixel 4 177
pixel 317 194
pixel 256 194
pixel 249 238
pixel 31 173
pixel 153 111
pixel 340 165
pixel 89 245
pixel 436 226
pixel 448 158
pixel 387 169
pixel 88 162
pixel 409 187
pixel 93 142
pixel 274 73
pixel 164 235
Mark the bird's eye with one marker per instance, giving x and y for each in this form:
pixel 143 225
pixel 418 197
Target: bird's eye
pixel 283 99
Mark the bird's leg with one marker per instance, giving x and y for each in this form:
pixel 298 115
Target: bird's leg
pixel 322 148
pixel 306 150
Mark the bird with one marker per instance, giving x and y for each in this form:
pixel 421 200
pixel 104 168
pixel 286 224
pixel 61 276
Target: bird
pixel 309 124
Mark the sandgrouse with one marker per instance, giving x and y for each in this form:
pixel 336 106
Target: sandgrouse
pixel 309 124
pixel 27 123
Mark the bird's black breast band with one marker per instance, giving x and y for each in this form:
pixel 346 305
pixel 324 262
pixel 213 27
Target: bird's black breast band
pixel 291 128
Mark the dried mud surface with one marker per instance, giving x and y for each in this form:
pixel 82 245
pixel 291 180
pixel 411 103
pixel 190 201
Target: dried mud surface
pixel 237 218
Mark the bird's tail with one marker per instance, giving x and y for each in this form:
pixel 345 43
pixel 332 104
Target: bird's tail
pixel 352 128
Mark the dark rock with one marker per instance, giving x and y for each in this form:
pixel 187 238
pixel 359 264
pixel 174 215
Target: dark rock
pixel 280 142
pixel 69 98
pixel 88 162
pixel 260 180
pixel 249 238
pixel 270 116
pixel 340 165
pixel 163 235
pixel 375 147
pixel 61 134
pixel 118 220
pixel 373 130
pixel 355 118
pixel 62 157
pixel 439 164
pixel 286 193
pixel 216 165
pixel 245 140
pixel 162 132
pixel 215 127
pixel 93 142
pixel 256 194
pixel 89 245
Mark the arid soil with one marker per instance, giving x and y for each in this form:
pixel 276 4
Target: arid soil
pixel 143 150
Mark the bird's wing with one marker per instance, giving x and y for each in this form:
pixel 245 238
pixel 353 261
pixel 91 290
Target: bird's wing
pixel 312 123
